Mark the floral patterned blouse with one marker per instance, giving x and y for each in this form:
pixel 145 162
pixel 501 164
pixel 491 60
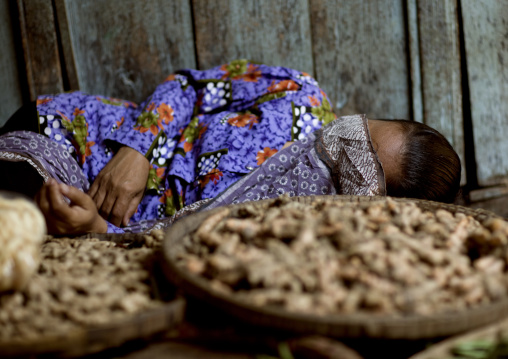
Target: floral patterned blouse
pixel 201 130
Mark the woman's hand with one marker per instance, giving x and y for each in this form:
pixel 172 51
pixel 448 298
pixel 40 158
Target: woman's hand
pixel 120 186
pixel 78 216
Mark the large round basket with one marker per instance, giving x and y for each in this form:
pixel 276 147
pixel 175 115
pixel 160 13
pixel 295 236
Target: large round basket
pixel 93 339
pixel 336 325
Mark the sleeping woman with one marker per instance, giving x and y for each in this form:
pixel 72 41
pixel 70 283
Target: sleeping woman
pixel 202 139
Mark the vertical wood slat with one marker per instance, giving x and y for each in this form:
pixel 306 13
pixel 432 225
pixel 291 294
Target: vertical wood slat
pixel 486 40
pixel 360 56
pixel 124 49
pixel 267 31
pixel 62 22
pixel 40 46
pixel 439 59
pixel 414 60
pixel 11 96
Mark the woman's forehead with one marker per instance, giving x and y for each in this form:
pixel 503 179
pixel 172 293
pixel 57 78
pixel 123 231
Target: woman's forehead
pixel 387 139
pixel 384 132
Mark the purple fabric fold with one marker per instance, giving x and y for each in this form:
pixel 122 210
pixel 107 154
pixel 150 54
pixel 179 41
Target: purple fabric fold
pixel 50 159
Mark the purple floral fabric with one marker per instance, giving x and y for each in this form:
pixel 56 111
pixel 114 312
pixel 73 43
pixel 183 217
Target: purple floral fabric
pixel 336 159
pixel 294 171
pixel 202 131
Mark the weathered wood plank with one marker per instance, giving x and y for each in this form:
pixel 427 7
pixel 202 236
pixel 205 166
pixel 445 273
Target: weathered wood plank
pixel 40 46
pixel 414 60
pixel 11 96
pixel 440 71
pixel 486 39
pixel 69 63
pixel 272 32
pixel 360 56
pixel 125 48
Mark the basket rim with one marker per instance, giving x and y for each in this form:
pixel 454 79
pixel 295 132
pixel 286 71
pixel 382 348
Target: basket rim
pixel 403 326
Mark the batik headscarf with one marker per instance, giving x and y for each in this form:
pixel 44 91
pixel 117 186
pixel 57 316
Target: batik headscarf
pixel 50 159
pixel 338 159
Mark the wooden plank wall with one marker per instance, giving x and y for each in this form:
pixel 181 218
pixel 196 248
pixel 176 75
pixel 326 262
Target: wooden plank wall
pixel 124 48
pixel 11 96
pixel 274 32
pixel 486 39
pixel 436 68
pixel 40 45
pixel 386 58
pixel 230 29
pixel 359 49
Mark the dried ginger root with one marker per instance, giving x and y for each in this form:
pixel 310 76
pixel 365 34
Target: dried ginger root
pixel 22 229
pixel 333 257
pixel 82 283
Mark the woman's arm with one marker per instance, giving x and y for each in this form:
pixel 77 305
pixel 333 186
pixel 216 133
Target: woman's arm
pixel 119 187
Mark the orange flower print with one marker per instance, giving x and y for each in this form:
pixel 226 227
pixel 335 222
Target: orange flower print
pixel 63 116
pixel 234 69
pixel 155 177
pixel 284 85
pixel 214 175
pixel 153 128
pixel 243 120
pixel 187 146
pixel 167 194
pixel 191 133
pixel 252 75
pixel 165 113
pixel 150 107
pixel 160 172
pixel 314 101
pixel 149 121
pixel 305 74
pixel 266 153
pixel 170 77
pixel 169 201
pixel 42 101
pixel 120 123
pixel 88 151
pixel 115 102
pixel 202 130
pixel 241 69
pixel 78 112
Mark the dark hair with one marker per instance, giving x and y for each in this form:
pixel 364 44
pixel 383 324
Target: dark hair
pixel 429 166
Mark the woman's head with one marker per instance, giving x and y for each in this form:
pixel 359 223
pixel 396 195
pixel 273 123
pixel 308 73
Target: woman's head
pixel 418 161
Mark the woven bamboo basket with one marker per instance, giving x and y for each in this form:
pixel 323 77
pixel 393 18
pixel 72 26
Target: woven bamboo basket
pixel 335 325
pixel 92 339
pixel 95 339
